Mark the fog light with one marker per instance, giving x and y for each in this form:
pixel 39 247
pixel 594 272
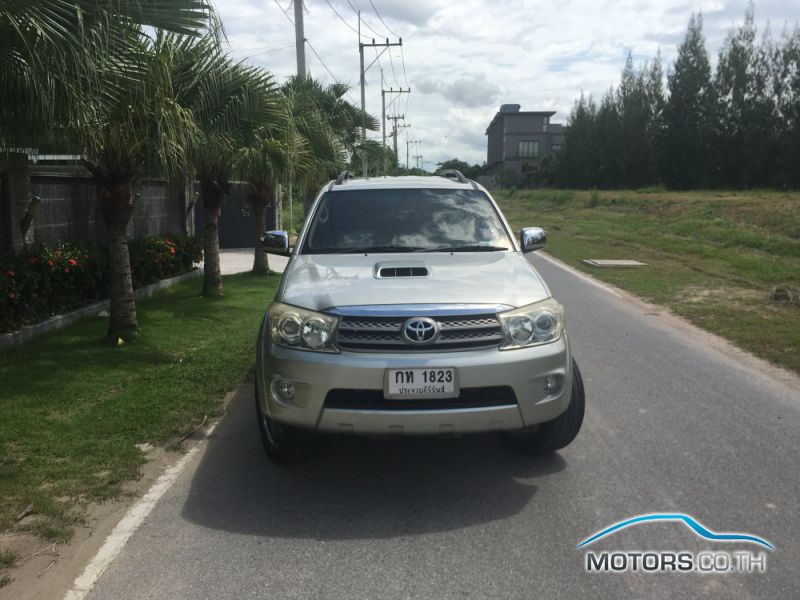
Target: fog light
pixel 284 390
pixel 552 383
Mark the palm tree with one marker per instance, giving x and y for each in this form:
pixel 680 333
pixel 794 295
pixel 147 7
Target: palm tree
pixel 86 72
pixel 330 124
pixel 231 103
pixel 141 130
pixel 50 48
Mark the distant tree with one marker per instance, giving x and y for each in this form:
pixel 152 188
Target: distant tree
pixel 542 172
pixel 469 171
pixel 689 113
pixel 609 140
pixel 638 101
pixel 579 165
pixel 654 86
pixel 787 86
pixel 749 125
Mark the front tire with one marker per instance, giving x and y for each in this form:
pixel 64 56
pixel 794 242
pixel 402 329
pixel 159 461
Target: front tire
pixel 557 433
pixel 283 444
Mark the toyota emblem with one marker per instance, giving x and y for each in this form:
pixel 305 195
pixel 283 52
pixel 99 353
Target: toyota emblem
pixel 420 330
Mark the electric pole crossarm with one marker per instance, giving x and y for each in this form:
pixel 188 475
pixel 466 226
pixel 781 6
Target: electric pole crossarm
pixel 361 45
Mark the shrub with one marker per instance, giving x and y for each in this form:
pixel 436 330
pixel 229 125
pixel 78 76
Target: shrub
pixel 593 200
pixel 41 282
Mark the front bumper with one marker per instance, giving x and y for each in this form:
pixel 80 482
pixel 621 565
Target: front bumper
pixel 315 374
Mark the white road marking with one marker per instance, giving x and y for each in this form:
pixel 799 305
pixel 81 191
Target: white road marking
pixel 136 514
pixel 578 274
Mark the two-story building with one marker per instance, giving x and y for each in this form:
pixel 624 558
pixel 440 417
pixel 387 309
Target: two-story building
pixel 517 137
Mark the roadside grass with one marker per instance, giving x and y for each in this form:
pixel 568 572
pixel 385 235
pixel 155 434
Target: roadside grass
pixel 73 408
pixel 714 257
pixel 7 560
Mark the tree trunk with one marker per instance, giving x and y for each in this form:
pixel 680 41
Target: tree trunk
pixel 212 196
pixel 116 204
pixel 262 196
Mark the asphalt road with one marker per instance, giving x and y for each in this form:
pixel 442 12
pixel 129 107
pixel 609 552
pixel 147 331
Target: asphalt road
pixel 671 426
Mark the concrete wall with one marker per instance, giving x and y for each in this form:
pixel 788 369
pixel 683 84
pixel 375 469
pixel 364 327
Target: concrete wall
pixel 68 209
pixel 237 222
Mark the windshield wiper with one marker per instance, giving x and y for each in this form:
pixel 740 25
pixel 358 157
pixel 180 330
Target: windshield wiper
pixel 468 248
pixel 370 249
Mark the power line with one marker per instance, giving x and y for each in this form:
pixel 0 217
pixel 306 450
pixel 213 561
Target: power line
pixel 382 21
pixel 322 62
pixel 403 59
pixel 355 10
pixel 268 51
pixel 343 21
pixel 285 14
pixel 394 75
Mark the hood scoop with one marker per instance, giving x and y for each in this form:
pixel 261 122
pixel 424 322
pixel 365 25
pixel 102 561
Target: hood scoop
pixel 386 270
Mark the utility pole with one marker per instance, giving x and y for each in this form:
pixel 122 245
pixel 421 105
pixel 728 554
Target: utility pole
pixel 394 118
pixel 408 143
pixel 397 129
pixel 383 121
pixel 385 45
pixel 418 158
pixel 299 39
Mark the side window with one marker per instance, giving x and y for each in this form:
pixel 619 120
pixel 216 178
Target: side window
pixel 528 149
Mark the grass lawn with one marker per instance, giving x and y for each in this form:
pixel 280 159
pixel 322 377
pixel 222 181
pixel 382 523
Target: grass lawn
pixel 714 257
pixel 73 407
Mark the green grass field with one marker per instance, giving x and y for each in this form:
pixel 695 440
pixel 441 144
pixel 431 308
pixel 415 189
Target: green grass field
pixel 73 407
pixel 714 257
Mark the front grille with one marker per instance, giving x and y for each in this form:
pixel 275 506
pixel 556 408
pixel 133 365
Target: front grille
pixel 462 332
pixel 482 397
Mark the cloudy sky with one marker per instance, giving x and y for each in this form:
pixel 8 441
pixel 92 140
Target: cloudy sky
pixel 464 58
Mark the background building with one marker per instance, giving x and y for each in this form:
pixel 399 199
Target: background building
pixel 517 137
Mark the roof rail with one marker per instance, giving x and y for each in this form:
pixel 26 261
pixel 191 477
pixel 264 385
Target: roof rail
pixel 453 174
pixel 456 175
pixel 344 176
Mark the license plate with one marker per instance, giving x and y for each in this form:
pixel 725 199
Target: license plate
pixel 421 383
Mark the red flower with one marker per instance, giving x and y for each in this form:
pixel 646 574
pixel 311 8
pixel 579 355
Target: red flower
pixel 66 269
pixel 169 241
pixel 50 262
pixel 73 262
pixel 172 250
pixel 10 273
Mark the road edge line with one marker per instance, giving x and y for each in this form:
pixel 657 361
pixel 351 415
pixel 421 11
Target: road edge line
pixel 128 525
pixel 578 273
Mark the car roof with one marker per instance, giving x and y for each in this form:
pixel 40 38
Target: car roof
pixel 404 182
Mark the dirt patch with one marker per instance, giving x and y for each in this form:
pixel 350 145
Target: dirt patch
pixel 695 294
pixel 46 570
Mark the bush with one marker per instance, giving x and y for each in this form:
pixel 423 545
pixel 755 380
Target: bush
pixel 41 282
pixel 593 201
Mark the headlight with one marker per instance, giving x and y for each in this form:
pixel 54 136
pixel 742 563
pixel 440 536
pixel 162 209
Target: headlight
pixel 539 323
pixel 300 328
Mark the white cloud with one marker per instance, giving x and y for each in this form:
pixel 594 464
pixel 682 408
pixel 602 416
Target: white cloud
pixel 463 59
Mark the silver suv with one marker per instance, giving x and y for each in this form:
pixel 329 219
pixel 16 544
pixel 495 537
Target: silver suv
pixel 408 308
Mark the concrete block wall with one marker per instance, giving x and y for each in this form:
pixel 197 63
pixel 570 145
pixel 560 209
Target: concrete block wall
pixel 68 210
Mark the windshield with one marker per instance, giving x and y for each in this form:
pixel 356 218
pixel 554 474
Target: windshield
pixel 406 220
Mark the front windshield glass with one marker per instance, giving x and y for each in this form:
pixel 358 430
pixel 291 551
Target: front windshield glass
pixel 406 220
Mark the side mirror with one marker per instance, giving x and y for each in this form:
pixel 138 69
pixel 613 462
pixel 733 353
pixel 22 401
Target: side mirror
pixel 532 238
pixel 275 242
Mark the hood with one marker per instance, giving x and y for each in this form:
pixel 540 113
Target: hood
pixel 322 281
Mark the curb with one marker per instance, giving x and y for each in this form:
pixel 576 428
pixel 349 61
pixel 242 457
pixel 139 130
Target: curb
pixel 29 332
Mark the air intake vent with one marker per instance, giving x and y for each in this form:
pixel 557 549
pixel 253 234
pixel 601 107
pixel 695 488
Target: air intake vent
pixel 403 272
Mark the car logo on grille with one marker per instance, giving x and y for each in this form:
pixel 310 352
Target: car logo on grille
pixel 420 330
